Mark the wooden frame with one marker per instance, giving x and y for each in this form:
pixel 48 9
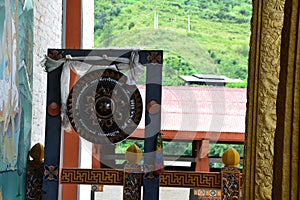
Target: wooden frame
pixel 152 60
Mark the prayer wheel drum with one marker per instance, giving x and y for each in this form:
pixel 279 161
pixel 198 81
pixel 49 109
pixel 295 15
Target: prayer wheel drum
pixel 103 108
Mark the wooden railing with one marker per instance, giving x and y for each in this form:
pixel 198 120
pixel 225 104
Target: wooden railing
pixel 115 177
pixel 225 185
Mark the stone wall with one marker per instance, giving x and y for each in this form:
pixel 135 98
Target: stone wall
pixel 47 34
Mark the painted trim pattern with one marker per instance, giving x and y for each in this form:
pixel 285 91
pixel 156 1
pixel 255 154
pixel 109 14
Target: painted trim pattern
pixel 115 177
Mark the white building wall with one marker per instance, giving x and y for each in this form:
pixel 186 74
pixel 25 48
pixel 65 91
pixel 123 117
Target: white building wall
pixel 87 24
pixel 47 34
pixel 87 32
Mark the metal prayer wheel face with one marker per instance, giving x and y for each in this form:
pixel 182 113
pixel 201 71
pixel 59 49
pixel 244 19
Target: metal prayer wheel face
pixel 103 108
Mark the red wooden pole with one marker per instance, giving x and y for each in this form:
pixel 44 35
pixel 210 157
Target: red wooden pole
pixel 71 140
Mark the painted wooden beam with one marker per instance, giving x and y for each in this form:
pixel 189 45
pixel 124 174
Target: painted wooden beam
pixel 173 135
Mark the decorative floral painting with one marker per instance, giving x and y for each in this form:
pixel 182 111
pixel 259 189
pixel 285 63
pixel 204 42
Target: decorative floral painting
pixel 16 51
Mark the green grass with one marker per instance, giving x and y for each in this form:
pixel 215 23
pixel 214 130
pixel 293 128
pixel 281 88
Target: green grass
pixel 213 46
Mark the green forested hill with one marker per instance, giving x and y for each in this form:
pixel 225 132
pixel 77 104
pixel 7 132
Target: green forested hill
pixel 197 36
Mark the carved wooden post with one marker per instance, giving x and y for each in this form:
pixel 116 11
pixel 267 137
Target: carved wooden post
pixel 35 172
pixel 152 123
pixel 230 174
pixel 53 133
pixel 263 78
pixel 286 184
pixel 132 174
pixel 201 156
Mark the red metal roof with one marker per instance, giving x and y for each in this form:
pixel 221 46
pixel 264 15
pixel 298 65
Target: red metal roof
pixel 200 109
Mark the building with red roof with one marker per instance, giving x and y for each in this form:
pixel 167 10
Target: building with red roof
pixel 201 115
pixel 197 113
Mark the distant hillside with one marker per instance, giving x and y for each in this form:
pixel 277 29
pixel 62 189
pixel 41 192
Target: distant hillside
pixel 210 37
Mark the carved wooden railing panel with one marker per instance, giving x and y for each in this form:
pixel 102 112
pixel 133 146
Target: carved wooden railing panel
pixel 92 177
pixel 190 179
pixel 167 179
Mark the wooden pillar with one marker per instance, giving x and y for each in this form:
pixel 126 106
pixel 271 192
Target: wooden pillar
pixel 70 153
pixel 52 136
pixel 230 175
pixel 96 165
pixel 286 157
pixel 263 78
pixel 71 140
pixel 152 123
pixel 201 155
pixel 96 156
pixel 132 181
pixel 73 24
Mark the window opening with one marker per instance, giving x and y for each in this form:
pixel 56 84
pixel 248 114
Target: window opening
pixel 201 38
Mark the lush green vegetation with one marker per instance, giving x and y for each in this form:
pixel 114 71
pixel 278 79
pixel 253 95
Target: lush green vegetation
pixel 217 42
pixel 217 150
pixel 170 148
pixel 185 149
